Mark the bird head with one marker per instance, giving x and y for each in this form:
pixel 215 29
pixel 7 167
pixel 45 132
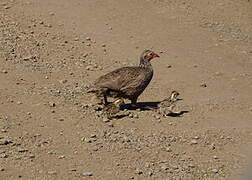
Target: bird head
pixel 148 55
pixel 174 96
pixel 118 102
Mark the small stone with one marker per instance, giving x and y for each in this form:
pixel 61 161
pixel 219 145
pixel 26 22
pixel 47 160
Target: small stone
pixel 194 142
pixel 52 104
pixel 139 172
pixel 19 102
pixel 168 66
pixel 4 71
pixel 63 81
pixel 168 149
pixel 2 169
pixel 51 13
pixel 215 170
pixel 87 174
pixel 89 68
pixel 135 116
pixel 131 115
pixel 103 45
pixel 191 166
pixel 31 156
pixel 203 85
pixel 88 38
pixel 61 157
pixel 7 7
pixel 215 157
pixel 22 150
pixel 52 172
pixel 105 120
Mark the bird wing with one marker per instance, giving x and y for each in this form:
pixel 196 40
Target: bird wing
pixel 121 78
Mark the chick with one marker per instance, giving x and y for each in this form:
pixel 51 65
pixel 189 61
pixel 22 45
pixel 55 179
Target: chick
pixel 110 110
pixel 167 105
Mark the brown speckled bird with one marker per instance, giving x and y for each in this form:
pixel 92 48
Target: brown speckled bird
pixel 126 82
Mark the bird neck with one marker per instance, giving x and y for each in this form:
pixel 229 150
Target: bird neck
pixel 144 63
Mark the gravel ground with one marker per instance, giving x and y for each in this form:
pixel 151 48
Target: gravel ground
pixel 50 53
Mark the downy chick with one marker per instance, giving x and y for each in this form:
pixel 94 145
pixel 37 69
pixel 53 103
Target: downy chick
pixel 113 108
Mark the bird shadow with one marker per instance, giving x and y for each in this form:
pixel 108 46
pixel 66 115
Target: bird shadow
pixel 143 106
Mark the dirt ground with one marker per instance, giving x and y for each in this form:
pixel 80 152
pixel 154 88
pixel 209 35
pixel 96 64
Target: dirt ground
pixel 52 50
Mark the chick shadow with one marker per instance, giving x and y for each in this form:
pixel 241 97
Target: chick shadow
pixel 177 114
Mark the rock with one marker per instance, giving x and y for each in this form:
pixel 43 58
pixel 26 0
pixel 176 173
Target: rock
pixel 168 149
pixel 52 104
pixel 7 7
pixel 19 102
pixel 21 150
pixel 105 120
pixel 131 115
pixel 135 116
pixel 203 85
pixel 63 81
pixel 88 38
pixel 194 142
pixel 52 172
pixel 215 170
pixel 4 71
pixel 87 174
pixel 31 156
pixel 139 172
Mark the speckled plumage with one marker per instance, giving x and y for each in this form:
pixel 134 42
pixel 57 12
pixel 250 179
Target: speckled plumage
pixel 113 108
pixel 126 82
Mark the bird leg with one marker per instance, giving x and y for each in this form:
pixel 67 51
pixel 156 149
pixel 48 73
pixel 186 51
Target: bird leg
pixel 134 103
pixel 105 99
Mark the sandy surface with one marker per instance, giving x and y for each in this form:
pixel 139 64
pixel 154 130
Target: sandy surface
pixel 52 50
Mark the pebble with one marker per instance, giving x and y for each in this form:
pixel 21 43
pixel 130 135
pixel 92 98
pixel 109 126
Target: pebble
pixel 105 120
pixel 139 172
pixel 52 172
pixel 31 156
pixel 7 7
pixel 135 116
pixel 203 85
pixel 88 38
pixel 194 142
pixel 4 71
pixel 22 150
pixel 215 170
pixel 131 115
pixel 168 149
pixel 87 174
pixel 52 104
pixel 19 102
pixel 63 81
pixel 51 13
